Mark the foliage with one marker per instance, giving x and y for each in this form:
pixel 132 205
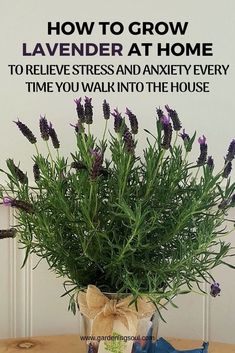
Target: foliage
pixel 151 224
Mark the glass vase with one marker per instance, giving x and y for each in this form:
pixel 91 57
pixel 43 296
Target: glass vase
pixel 146 334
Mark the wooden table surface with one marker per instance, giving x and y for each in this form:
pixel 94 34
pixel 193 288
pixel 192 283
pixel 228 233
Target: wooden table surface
pixel 72 344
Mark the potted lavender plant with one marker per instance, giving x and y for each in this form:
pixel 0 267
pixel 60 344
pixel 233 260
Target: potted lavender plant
pixel 146 228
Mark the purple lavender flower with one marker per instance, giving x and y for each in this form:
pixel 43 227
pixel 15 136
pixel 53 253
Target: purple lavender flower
pixel 7 200
pixel 202 140
pixel 44 128
pixel 185 137
pixel 88 110
pixel 232 202
pixel 8 233
pixel 17 172
pixel 95 152
pixel 106 110
pixel 159 113
pixel 174 117
pixel 22 205
pixel 36 172
pixel 215 289
pixel 167 128
pixel 78 165
pixel 210 163
pixel 118 120
pixel 165 120
pixel 26 131
pixel 203 151
pixel 97 163
pixel 128 142
pixel 227 169
pixel 133 121
pixel 53 136
pixel 80 110
pixel 231 152
pixel 78 127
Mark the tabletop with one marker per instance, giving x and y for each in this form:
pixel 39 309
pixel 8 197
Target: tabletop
pixel 72 344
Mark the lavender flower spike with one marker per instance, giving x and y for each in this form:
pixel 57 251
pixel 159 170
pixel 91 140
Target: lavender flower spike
pixel 174 117
pixel 78 127
pixel 22 205
pixel 88 110
pixel 227 169
pixel 7 201
pixel 133 121
pixel 44 128
pixel 232 202
pixel 215 289
pixel 202 140
pixel 117 120
pixel 8 233
pixel 231 152
pixel 159 113
pixel 36 172
pixel 185 137
pixel 165 120
pixel 97 163
pixel 106 110
pixel 78 165
pixel 17 172
pixel 26 131
pixel 210 163
pixel 53 136
pixel 128 142
pixel 203 151
pixel 167 128
pixel 80 110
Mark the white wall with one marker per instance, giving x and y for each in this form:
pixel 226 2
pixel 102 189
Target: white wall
pixel 30 303
pixel 30 300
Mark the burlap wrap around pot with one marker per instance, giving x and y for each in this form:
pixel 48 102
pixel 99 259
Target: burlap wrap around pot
pixel 105 312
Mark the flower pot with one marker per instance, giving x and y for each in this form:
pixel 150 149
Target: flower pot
pixel 108 323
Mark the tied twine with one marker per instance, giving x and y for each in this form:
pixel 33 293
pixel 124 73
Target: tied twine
pixel 105 312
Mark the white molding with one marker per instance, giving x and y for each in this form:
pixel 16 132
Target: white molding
pixel 20 287
pixel 12 277
pixel 206 314
pixel 28 298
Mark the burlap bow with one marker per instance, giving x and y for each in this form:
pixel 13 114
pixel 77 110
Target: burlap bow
pixel 105 312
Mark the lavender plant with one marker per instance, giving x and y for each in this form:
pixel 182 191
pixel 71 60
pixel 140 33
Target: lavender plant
pixel 152 224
